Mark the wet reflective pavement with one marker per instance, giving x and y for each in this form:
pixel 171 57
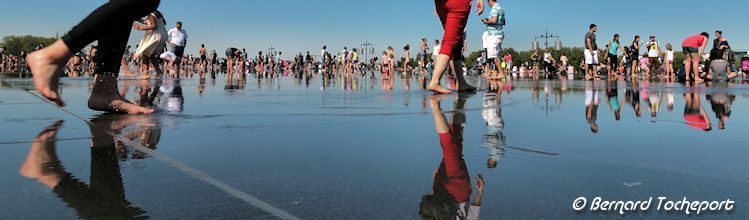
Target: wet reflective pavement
pixel 339 148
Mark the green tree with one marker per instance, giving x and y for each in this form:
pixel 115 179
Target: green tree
pixel 574 55
pixel 16 44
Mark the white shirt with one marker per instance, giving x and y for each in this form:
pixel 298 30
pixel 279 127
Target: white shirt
pixel 653 49
pixel 547 57
pixel 322 52
pixel 436 50
pixel 178 37
pixel 670 55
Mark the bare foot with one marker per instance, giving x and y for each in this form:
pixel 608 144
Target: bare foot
pixel 115 104
pixel 438 89
pixel 46 73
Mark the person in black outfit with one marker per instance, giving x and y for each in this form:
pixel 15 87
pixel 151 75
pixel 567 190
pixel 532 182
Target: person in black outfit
pixel 110 25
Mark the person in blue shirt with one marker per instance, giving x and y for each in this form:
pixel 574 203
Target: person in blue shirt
pixel 493 38
pixel 611 57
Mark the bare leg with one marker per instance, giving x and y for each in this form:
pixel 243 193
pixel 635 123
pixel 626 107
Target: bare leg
pixel 42 163
pixel 46 64
pixel 440 122
pixel 688 66
pixel 463 85
pixel 696 67
pixel 440 66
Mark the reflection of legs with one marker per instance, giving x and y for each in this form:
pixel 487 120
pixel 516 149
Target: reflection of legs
pixel 459 117
pixel 440 122
pixel 104 198
pixel 452 175
pixel 42 163
pixel 46 64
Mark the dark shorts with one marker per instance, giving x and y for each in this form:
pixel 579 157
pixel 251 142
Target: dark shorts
pixel 179 51
pixel 613 60
pixel 688 50
pixel 202 57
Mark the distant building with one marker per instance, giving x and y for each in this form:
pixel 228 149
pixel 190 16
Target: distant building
pixel 741 53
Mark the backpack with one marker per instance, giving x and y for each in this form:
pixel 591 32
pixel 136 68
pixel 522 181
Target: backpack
pixel 745 65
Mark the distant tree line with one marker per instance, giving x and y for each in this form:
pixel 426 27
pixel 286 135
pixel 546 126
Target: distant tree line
pixel 15 44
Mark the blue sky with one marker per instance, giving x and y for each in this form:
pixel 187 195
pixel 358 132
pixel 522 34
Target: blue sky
pixel 295 26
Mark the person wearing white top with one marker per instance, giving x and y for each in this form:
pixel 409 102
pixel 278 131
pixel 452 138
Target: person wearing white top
pixel 669 61
pixel 436 50
pixel 178 41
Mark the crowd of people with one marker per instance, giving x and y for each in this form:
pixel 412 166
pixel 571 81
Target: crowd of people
pixel 657 63
pixel 10 62
pixel 161 53
pixel 15 62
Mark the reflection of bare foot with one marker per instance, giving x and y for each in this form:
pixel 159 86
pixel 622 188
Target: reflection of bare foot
pixel 115 104
pixel 437 88
pixel 501 76
pixel 434 102
pixel 143 76
pixel 46 73
pixel 41 163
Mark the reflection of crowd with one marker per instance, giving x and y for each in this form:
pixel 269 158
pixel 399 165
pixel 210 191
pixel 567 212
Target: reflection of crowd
pixel 718 94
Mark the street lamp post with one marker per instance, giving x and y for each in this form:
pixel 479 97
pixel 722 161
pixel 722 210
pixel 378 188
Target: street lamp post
pixel 365 48
pixel 271 51
pixel 546 36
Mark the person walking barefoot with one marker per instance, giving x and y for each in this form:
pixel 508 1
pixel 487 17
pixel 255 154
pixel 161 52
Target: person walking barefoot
pixel 454 15
pixel 152 44
pixel 110 25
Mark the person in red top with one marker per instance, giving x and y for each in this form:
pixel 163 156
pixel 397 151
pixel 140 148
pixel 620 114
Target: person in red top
pixel 454 15
pixel 693 47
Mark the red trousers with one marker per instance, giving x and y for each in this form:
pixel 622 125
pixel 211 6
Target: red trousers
pixel 454 16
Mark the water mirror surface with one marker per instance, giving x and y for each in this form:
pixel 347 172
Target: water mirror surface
pixel 361 148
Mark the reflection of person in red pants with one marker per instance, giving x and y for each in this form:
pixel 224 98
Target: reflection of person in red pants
pixel 452 183
pixel 453 15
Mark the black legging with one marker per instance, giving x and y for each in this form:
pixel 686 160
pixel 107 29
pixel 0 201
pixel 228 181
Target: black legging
pixel 110 24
